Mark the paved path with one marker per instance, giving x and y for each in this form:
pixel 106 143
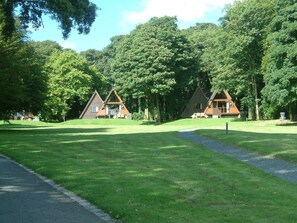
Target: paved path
pixel 280 168
pixel 25 198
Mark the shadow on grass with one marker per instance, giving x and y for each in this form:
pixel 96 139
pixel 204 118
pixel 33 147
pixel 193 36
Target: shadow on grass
pixel 23 126
pixel 37 130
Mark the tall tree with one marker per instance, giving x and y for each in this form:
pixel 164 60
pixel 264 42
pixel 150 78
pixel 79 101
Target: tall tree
pixel 70 79
pixel 200 36
pixel 102 61
pixel 79 14
pixel 151 61
pixel 22 85
pixel 240 47
pixel 280 63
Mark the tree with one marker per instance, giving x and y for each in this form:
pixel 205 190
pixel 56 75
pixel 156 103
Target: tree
pixel 238 48
pixel 151 62
pixel 102 60
pixel 44 49
pixel 199 37
pixel 79 14
pixel 22 85
pixel 280 63
pixel 70 79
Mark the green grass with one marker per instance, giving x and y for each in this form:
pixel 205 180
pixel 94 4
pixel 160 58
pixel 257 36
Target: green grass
pixel 264 137
pixel 145 173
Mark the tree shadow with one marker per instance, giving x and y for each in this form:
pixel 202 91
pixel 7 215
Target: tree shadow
pixel 27 130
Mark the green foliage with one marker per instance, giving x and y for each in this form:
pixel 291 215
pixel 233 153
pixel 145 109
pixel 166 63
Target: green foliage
pixel 70 79
pixel 22 84
pixel 235 52
pixel 280 64
pixel 44 49
pixel 104 65
pixel 152 62
pixel 199 37
pixel 79 14
pixel 138 116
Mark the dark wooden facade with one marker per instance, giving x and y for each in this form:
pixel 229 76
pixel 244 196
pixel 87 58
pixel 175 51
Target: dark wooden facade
pixel 92 107
pixel 196 105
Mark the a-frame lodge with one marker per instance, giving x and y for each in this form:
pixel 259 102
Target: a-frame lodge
pixel 113 107
pixel 220 105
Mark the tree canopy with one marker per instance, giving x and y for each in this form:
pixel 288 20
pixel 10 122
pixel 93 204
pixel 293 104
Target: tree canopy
pixel 236 49
pixel 69 79
pixel 79 14
pixel 22 83
pixel 152 61
pixel 280 63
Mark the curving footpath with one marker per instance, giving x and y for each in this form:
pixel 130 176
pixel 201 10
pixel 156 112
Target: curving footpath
pixel 26 197
pixel 276 167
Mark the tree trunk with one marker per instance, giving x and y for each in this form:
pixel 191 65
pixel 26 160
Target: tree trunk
pixel 158 115
pixel 251 103
pixel 251 113
pixel 293 111
pixel 139 105
pixel 164 109
pixel 255 89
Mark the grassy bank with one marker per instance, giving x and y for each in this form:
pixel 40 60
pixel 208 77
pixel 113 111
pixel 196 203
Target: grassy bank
pixel 145 173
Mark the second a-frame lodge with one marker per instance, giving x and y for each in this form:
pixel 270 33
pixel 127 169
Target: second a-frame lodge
pixel 219 105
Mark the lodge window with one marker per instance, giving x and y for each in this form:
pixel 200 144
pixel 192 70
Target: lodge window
pixel 198 106
pixel 95 109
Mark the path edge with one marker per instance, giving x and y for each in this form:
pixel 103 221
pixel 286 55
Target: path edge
pixel 82 202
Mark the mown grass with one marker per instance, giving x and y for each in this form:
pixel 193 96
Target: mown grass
pixel 145 173
pixel 264 137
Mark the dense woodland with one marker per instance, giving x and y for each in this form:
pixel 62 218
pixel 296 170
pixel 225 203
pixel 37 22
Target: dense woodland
pixel 252 53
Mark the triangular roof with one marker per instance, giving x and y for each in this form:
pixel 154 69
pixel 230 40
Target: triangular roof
pixel 95 100
pixel 197 104
pixel 222 96
pixel 113 99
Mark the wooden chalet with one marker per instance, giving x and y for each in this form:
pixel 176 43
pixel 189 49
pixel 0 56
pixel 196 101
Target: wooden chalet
pixel 221 105
pixel 196 106
pixel 92 107
pixel 113 107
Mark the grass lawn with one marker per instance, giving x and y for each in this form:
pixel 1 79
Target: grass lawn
pixel 145 173
pixel 264 137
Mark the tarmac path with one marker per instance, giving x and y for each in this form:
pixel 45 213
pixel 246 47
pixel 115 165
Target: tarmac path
pixel 27 198
pixel 276 167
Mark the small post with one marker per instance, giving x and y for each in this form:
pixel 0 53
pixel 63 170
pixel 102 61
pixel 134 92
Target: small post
pixel 226 128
